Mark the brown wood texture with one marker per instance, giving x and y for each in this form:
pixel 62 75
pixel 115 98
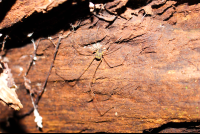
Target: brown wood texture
pixel 157 84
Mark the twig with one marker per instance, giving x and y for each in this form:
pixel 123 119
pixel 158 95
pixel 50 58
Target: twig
pixel 27 81
pixel 38 118
pixel 44 85
pixel 4 41
pixel 39 95
pixel 74 28
pixel 34 54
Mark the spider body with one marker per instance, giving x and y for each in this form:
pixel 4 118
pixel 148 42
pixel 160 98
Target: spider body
pixel 99 54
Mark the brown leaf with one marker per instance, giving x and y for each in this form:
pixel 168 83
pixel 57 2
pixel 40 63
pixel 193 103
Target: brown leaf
pixel 7 88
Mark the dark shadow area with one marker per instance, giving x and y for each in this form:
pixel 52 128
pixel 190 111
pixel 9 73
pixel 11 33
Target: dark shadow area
pixel 135 4
pixel 179 2
pixel 101 1
pixel 5 6
pixel 183 126
pixel 46 24
pixel 11 125
pixel 189 2
pixel 59 18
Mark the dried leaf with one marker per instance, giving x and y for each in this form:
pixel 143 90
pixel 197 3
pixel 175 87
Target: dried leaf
pixel 7 88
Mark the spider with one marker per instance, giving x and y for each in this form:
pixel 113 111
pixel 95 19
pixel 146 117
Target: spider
pixel 98 56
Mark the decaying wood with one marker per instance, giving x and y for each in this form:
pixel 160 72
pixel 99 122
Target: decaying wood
pixel 157 84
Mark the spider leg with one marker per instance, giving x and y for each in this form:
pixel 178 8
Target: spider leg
pixel 59 75
pixel 116 65
pixel 86 69
pixel 117 41
pixel 93 78
pixel 79 76
pixel 72 59
pixel 93 98
pixel 99 112
pixel 112 51
pixel 77 49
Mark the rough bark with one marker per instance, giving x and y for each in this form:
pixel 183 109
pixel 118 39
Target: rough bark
pixel 158 83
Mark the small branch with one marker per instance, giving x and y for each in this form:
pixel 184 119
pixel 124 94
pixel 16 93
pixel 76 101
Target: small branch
pixel 34 55
pixel 54 57
pixel 39 95
pixel 44 85
pixel 4 41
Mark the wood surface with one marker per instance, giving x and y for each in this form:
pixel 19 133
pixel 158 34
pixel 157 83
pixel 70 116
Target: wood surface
pixel 158 83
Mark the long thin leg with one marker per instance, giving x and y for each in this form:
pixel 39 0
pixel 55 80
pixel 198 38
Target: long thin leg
pixel 81 74
pixel 97 107
pixel 115 65
pixel 86 68
pixel 80 52
pixel 76 49
pixel 93 78
pixel 112 51
pixel 97 33
pixel 93 81
pixel 91 91
pixel 93 98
